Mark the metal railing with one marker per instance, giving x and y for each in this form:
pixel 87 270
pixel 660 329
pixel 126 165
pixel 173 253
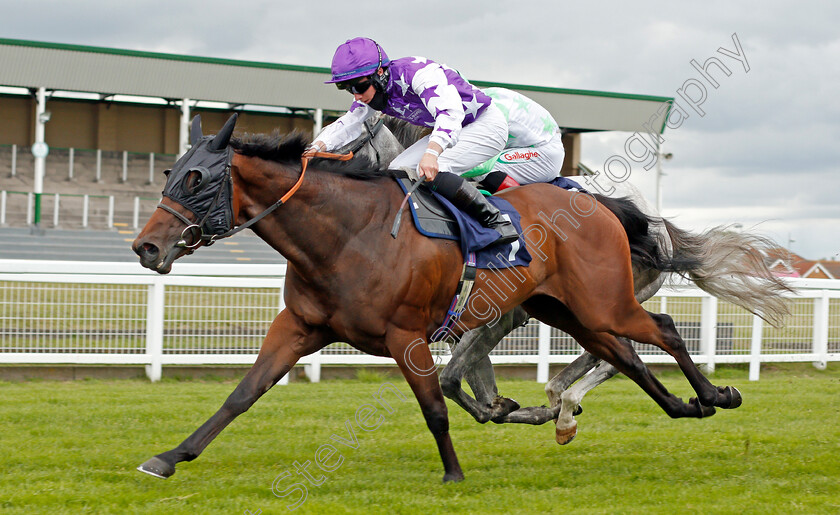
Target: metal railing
pixel 76 214
pixel 60 312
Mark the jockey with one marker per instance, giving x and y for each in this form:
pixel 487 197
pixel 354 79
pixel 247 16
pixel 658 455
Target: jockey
pixel 467 128
pixel 534 150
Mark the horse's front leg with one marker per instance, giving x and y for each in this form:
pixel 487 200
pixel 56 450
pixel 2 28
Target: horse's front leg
pixel 470 359
pixel 411 352
pixel 288 339
pixel 569 400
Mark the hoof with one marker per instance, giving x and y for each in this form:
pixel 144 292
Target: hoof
pixel 502 407
pixel 577 411
pixel 453 477
pixel 564 436
pixel 702 411
pixel 734 396
pixel 157 467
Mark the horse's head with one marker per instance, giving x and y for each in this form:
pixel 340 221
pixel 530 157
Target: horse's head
pixel 197 203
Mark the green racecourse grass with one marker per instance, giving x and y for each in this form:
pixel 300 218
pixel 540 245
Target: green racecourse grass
pixel 72 447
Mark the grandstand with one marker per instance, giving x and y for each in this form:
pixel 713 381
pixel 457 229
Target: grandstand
pixel 115 119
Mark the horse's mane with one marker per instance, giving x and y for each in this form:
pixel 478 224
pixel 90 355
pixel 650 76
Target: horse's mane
pixel 288 148
pixel 406 133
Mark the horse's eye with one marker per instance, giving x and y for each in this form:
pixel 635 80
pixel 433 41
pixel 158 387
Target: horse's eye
pixel 195 181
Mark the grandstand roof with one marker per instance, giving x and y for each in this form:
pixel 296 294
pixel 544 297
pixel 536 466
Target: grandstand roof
pixel 109 71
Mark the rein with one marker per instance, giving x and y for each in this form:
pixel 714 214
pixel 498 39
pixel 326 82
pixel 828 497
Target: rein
pixel 209 239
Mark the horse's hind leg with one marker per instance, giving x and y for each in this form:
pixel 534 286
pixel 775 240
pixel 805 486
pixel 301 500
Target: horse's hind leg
pixel 726 397
pixel 617 352
pixel 470 359
pixel 537 415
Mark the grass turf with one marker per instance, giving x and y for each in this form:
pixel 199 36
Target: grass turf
pixel 72 447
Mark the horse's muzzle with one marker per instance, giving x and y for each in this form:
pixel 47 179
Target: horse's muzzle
pixel 151 256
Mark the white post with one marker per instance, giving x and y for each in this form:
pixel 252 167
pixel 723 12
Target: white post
pixel 154 330
pixel 55 211
pixel 136 217
pixel 285 379
pixel 755 348
pixel 111 212
pixel 85 209
pixel 313 370
pixel 29 198
pixel 70 167
pixel 821 305
pixel 40 162
pixel 41 156
pixel 125 167
pixel 151 167
pixel 708 332
pixel 184 133
pixel 319 122
pixel 543 350
pixel 99 165
pixel 3 207
pixel 14 160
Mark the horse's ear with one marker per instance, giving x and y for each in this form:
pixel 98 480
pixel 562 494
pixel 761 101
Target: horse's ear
pixel 195 129
pixel 223 137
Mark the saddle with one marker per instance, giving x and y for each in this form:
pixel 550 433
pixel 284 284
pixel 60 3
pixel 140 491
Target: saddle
pixel 430 216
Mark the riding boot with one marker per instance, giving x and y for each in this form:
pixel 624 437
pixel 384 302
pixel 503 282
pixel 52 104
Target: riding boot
pixel 468 199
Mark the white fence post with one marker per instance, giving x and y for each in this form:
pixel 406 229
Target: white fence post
pixel 313 370
pixel 111 212
pixel 154 330
pixel 3 207
pixel 29 199
pixel 151 167
pixel 282 305
pixel 755 347
pixel 125 167
pixel 708 331
pixel 821 305
pixel 543 349
pixel 55 210
pixel 70 164
pixel 85 210
pixel 14 161
pixel 136 215
pixel 99 165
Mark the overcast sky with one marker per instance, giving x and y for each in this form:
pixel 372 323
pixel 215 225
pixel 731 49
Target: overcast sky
pixel 764 154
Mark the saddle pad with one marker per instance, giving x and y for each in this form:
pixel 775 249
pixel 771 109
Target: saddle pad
pixel 430 217
pixel 477 238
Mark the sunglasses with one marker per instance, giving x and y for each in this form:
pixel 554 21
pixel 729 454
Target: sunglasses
pixel 356 88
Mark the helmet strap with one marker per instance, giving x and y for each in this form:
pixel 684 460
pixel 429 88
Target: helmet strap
pixel 380 82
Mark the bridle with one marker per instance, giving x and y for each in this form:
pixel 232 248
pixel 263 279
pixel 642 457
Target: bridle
pixel 196 229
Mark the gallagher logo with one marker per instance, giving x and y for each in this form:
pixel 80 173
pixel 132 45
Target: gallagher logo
pixel 517 156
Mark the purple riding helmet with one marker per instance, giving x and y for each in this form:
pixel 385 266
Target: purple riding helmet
pixel 357 57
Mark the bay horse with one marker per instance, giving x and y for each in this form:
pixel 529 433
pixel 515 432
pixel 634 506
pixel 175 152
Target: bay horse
pixel 727 264
pixel 348 280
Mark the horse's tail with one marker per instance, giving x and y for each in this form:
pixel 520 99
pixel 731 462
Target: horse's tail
pixel 726 264
pixel 731 267
pixel 646 249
